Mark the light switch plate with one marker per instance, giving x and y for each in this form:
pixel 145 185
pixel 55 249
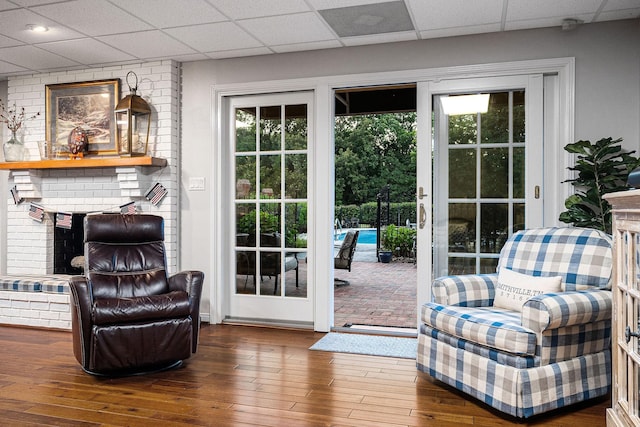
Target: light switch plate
pixel 196 183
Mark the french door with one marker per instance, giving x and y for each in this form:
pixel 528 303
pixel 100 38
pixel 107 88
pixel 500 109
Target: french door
pixel 488 170
pixel 270 142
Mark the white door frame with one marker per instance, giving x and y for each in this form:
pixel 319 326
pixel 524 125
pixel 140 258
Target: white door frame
pixel 278 308
pixel 322 182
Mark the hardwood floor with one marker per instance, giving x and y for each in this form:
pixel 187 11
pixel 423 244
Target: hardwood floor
pixel 241 376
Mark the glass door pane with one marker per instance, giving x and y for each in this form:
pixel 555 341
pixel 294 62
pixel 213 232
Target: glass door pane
pixel 270 234
pixel 481 160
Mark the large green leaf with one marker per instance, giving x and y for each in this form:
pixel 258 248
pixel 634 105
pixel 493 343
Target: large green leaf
pixel 602 167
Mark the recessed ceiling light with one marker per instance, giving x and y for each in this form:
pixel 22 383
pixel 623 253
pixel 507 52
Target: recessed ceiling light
pixel 37 28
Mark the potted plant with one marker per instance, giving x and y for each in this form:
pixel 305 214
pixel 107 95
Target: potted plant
pixel 385 253
pixel 602 167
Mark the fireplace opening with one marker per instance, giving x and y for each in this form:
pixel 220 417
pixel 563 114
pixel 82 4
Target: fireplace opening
pixel 67 245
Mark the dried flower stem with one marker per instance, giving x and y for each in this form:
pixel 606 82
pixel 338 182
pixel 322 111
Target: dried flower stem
pixel 14 117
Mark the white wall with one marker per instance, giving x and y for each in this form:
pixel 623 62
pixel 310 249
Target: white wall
pixel 607 91
pixel 4 135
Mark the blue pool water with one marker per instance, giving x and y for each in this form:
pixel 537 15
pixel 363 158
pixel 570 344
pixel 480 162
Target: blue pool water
pixel 366 236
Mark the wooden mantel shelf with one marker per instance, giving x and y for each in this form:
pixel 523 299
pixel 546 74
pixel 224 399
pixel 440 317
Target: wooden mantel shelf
pixel 92 162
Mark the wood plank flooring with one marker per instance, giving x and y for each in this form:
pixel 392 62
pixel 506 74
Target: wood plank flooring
pixel 241 376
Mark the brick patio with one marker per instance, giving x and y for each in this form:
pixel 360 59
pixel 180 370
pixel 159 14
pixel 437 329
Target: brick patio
pixel 377 295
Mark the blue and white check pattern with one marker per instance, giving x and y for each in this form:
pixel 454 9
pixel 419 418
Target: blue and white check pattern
pixel 583 257
pixel 492 327
pixel 518 392
pixel 58 284
pixel 471 290
pixel 555 353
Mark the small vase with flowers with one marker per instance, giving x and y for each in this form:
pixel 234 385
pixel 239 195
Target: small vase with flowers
pixel 14 117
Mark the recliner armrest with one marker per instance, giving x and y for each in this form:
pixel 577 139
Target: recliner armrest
pixel 557 310
pixel 469 290
pixel 81 302
pixel 190 281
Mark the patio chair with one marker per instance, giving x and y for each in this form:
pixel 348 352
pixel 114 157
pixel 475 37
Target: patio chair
pixel 269 261
pixel 343 259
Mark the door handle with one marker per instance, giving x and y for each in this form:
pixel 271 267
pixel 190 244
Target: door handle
pixel 423 216
pixel 421 193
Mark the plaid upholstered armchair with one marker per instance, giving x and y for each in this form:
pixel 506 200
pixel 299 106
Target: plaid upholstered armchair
pixel 533 337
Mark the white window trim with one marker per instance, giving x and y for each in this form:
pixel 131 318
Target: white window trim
pixel 323 181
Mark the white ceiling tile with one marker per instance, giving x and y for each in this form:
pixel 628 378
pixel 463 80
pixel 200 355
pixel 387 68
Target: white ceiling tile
pixel 328 44
pixel 191 57
pixel 192 30
pixel 241 9
pixel 14 24
pixel 92 17
pixel 288 29
pixel 6 42
pixel 5 5
pixel 437 14
pixel 618 14
pixel 5 67
pixel 460 31
pixel 380 38
pixel 542 22
pixel 237 53
pixel 33 58
pixel 334 4
pixel 29 3
pixel 147 44
pixel 86 51
pixel 211 37
pixel 172 13
pixel 621 4
pixel 518 10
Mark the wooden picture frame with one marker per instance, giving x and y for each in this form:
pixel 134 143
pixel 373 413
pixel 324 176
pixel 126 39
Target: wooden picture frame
pixel 89 105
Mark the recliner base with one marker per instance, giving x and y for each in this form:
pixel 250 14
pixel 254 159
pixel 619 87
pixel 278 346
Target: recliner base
pixel 133 372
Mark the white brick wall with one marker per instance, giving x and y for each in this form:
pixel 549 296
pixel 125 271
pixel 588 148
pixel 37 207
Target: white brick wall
pixel 29 243
pixel 37 309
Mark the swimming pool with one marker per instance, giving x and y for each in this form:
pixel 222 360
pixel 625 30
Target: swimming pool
pixel 366 236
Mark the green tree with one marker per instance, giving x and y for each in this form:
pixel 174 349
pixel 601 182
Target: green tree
pixel 374 150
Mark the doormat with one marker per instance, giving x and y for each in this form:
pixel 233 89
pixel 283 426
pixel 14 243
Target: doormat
pixel 374 345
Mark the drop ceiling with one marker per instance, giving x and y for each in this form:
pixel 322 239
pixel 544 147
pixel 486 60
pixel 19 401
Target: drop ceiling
pixel 93 33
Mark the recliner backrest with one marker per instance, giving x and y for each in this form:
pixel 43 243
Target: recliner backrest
pixel 125 255
pixel 583 257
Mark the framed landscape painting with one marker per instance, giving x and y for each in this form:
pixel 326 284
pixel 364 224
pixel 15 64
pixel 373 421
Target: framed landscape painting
pixel 88 105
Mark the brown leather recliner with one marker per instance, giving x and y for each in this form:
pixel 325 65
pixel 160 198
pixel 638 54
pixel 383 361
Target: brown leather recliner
pixel 127 315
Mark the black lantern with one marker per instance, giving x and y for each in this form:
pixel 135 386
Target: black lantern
pixel 133 120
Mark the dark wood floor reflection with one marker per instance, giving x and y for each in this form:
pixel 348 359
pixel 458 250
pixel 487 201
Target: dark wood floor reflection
pixel 241 376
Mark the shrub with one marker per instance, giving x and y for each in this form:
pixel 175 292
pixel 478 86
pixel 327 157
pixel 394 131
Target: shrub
pixel 268 223
pixel 398 239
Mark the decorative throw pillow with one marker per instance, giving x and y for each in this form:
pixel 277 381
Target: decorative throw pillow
pixel 514 288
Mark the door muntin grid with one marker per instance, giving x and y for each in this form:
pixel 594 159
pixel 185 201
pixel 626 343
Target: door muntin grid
pixel 271 199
